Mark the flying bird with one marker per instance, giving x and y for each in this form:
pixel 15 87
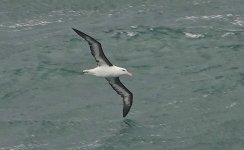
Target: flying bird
pixel 109 71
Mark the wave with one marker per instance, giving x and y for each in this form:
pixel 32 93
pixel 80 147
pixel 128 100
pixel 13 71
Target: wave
pixel 205 17
pixel 233 19
pixel 29 23
pixel 24 146
pixel 194 36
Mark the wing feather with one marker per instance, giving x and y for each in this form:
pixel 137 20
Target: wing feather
pixel 123 92
pixel 96 49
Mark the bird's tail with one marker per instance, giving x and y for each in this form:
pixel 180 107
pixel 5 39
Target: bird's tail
pixel 85 71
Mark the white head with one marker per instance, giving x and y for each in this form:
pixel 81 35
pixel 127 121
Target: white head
pixel 123 71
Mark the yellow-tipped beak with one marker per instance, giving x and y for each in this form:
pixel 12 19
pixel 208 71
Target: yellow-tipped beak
pixel 129 74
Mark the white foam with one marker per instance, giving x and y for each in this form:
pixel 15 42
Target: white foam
pixel 91 145
pixel 205 95
pixel 131 34
pixel 231 105
pixel 133 27
pixel 30 23
pixel 228 34
pixel 191 17
pixel 23 146
pixel 238 21
pixel 229 15
pixel 194 36
pixel 202 17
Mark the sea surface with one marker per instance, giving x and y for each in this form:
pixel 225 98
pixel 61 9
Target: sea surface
pixel 187 57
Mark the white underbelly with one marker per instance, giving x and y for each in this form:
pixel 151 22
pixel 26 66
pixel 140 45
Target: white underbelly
pixel 104 72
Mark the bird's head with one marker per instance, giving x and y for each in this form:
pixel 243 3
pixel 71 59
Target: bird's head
pixel 123 71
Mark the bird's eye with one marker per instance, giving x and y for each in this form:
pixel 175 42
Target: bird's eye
pixel 123 70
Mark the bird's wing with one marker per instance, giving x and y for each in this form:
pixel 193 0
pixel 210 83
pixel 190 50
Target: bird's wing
pixel 123 92
pixel 96 49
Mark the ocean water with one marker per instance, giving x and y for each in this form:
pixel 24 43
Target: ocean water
pixel 187 57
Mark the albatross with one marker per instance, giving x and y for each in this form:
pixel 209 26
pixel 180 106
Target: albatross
pixel 109 71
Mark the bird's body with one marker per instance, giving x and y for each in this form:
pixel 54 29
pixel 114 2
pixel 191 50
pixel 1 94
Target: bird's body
pixel 105 71
pixel 109 71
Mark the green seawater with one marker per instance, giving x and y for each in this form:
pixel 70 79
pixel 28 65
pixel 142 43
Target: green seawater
pixel 187 57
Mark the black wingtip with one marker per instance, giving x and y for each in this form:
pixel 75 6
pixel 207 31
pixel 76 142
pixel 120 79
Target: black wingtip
pixel 126 110
pixel 77 31
pixel 83 35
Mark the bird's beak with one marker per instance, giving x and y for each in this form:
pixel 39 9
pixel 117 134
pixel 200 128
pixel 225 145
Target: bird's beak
pixel 129 74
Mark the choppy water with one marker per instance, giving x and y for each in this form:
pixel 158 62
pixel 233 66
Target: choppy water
pixel 187 58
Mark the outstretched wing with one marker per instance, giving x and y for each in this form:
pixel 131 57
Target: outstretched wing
pixel 123 92
pixel 96 49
